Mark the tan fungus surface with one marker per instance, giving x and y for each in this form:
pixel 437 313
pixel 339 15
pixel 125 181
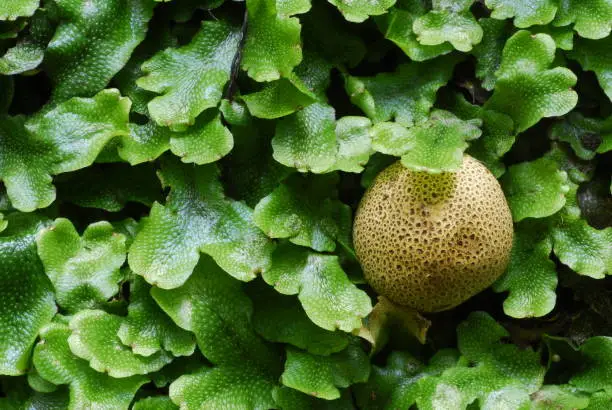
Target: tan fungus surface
pixel 431 241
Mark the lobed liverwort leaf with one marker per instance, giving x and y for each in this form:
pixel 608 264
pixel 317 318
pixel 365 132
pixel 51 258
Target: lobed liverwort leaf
pixel 304 211
pixel 531 277
pixel 449 21
pixel 596 56
pixel 224 387
pixel 577 244
pixel 391 138
pixel 207 59
pixel 489 371
pixel 272 47
pixel 11 10
pixel 29 51
pixel 359 10
pixel 291 7
pixel 329 299
pixel 597 364
pixel 84 270
pixel 278 99
pixel 406 95
pixel 397 26
pixel 63 139
pixel 26 292
pixel 88 388
pixel 485 372
pixel 147 329
pixel 439 142
pixel 524 75
pixel 305 85
pixel 322 376
pixel 354 139
pixel 197 217
pixel 590 18
pixel 90 31
pixel 535 189
pixel 219 313
pixel 563 36
pixel 206 141
pixel 434 146
pixel 306 140
pixel 525 13
pixel 583 248
pixel 395 385
pixel 497 131
pixel 94 338
pixel 281 319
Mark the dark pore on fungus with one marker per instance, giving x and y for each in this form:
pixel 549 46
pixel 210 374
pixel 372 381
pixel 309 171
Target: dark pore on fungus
pixel 431 241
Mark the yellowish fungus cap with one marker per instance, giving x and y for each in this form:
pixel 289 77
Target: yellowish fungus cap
pixel 432 241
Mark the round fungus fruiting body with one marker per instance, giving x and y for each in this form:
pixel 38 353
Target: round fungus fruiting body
pixel 432 241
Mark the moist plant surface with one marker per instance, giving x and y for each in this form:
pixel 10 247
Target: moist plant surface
pixel 178 181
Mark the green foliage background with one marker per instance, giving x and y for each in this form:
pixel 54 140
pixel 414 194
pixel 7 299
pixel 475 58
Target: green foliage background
pixel 178 184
